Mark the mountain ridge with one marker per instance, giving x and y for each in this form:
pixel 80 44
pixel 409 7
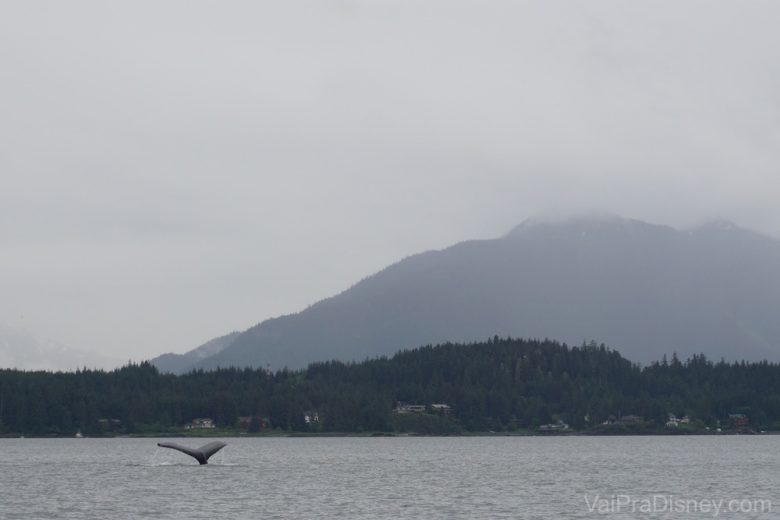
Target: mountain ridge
pixel 181 363
pixel 644 289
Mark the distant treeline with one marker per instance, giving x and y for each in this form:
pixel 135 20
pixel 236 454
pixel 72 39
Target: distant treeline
pixel 499 385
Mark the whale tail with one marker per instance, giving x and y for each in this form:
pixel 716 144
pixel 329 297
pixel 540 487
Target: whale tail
pixel 201 454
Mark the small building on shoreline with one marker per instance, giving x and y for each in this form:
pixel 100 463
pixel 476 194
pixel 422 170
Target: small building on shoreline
pixel 201 423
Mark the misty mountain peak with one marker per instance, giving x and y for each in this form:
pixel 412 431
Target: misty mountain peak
pixel 599 223
pixel 719 226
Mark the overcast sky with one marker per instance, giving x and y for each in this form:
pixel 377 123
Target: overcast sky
pixel 172 171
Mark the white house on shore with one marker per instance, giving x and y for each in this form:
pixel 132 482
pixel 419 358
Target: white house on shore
pixel 675 422
pixel 440 408
pixel 203 423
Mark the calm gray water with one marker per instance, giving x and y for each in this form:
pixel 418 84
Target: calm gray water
pixel 390 478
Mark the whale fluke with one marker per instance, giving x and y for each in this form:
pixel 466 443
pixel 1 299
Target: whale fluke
pixel 201 454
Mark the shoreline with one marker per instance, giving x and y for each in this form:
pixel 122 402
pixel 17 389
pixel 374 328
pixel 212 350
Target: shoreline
pixel 282 434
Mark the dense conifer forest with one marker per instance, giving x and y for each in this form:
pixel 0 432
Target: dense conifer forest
pixel 502 385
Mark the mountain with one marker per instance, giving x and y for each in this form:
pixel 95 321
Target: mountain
pixel 181 363
pixel 20 349
pixel 646 290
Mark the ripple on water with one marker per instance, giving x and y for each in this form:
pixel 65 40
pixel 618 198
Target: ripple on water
pixel 378 478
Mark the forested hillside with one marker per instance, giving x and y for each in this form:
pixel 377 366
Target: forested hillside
pixel 499 385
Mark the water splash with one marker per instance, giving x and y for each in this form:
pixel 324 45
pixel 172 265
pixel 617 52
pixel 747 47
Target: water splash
pixel 161 460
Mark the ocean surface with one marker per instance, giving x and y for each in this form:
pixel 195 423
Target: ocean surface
pixel 392 478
